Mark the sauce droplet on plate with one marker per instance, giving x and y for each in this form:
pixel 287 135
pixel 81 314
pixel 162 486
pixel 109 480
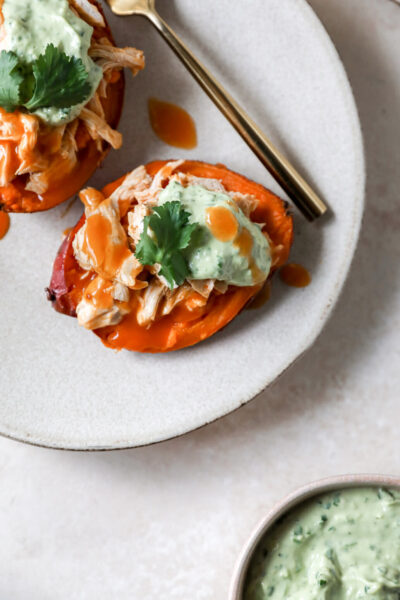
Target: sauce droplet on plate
pixel 172 124
pixel 222 223
pixel 4 223
pixel 262 297
pixel 295 275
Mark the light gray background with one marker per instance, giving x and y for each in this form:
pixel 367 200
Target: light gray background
pixel 169 521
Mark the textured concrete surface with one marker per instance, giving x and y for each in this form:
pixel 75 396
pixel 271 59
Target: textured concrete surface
pixel 169 520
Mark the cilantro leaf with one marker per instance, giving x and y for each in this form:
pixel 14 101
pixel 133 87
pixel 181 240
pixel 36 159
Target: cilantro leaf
pixel 172 232
pixel 11 79
pixel 52 80
pixel 61 81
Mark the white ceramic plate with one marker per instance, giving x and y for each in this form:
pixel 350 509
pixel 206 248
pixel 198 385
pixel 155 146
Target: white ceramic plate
pixel 59 386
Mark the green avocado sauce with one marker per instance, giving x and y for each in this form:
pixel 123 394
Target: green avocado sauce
pixel 30 25
pixel 207 256
pixel 339 546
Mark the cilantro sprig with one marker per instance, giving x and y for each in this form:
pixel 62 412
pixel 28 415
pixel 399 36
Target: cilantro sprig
pixel 54 79
pixel 170 233
pixel 11 79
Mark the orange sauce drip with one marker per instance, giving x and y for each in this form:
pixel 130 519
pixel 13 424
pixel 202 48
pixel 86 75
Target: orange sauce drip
pixel 80 282
pixel 222 223
pixel 172 124
pixel 67 231
pixel 257 274
pixel 244 242
pixel 108 256
pixel 9 158
pixel 295 275
pixel 91 197
pixel 4 223
pixel 98 232
pixel 99 293
pixel 262 297
pixel 9 148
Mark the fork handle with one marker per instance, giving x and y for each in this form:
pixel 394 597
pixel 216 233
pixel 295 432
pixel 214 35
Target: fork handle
pixel 300 192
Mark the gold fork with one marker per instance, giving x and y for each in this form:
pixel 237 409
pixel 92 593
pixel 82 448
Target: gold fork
pixel 303 196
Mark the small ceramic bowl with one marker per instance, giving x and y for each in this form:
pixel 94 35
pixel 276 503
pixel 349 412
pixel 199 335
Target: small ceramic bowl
pixel 295 498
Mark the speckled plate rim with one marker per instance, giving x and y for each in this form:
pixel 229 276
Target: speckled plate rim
pixel 356 217
pixel 290 501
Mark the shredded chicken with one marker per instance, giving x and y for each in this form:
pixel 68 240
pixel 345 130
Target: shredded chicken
pixel 62 164
pixel 10 128
pixel 149 301
pixel 185 179
pixel 96 106
pixel 125 270
pixel 220 286
pixel 120 292
pixel 174 297
pixel 6 163
pixel 108 57
pixel 136 182
pixel 18 141
pixel 204 287
pixel 135 221
pixel 99 129
pixel 91 198
pixel 89 12
pixel 245 202
pixel 93 314
pixel 162 177
pixel 275 250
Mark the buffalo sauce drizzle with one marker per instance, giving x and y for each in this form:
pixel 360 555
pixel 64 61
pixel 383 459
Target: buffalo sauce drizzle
pixel 222 223
pixel 172 124
pixel 244 243
pixel 4 223
pixel 295 275
pixel 225 227
pixel 108 256
pixel 9 148
pixel 99 293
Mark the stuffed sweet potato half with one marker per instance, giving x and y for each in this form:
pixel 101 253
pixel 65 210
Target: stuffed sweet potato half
pixel 61 94
pixel 169 254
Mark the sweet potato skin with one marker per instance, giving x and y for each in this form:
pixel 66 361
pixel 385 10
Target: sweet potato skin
pixel 15 198
pixel 182 328
pixel 65 270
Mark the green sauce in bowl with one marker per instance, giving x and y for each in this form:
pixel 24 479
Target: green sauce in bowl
pixel 341 545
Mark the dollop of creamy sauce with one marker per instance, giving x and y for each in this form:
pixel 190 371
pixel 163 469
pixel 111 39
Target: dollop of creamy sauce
pixel 343 546
pixel 30 25
pixel 227 246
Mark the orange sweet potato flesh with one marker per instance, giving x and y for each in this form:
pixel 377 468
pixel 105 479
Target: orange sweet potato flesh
pixel 182 327
pixel 15 198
